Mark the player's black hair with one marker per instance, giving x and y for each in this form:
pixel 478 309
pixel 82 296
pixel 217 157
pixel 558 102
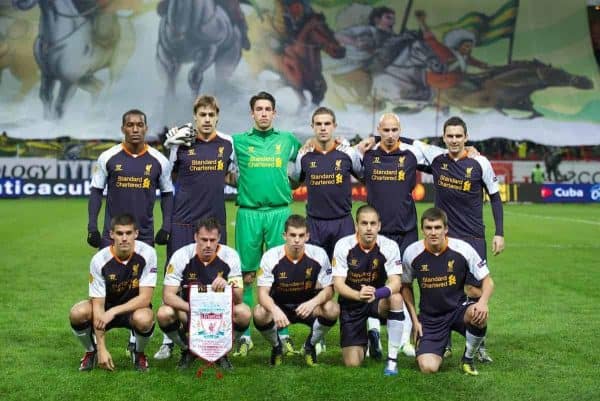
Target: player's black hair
pixel 262 96
pixel 210 223
pixel 134 112
pixel 366 209
pixel 433 214
pixel 123 220
pixel 455 121
pixel 296 221
pixel 378 12
pixel 323 110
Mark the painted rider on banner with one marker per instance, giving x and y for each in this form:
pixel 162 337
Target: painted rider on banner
pixel 455 52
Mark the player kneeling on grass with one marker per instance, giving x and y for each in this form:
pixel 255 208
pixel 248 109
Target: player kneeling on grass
pixel 204 262
pixel 440 265
pixel 294 286
pixel 122 279
pixel 366 274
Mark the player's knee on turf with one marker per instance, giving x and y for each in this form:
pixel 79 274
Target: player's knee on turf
pixel 249 277
pixel 261 316
pixel 353 356
pixel 81 312
pixel 142 319
pixel 429 363
pixel 241 314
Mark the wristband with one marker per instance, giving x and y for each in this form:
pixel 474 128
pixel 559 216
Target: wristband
pixel 382 292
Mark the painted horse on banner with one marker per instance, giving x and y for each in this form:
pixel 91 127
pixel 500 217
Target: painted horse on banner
pixel 198 32
pixel 69 51
pixel 510 87
pixel 400 70
pixel 298 61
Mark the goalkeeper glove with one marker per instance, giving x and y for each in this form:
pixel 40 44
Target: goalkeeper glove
pixel 162 237
pixel 94 239
pixel 184 135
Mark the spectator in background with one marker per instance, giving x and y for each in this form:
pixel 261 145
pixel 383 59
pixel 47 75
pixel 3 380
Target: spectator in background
pixel 537 175
pixel 552 160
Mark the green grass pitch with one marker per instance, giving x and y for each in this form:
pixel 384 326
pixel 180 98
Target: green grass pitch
pixel 543 334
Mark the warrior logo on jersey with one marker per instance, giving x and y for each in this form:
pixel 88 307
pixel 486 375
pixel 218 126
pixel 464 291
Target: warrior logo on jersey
pixel 119 167
pixel 467 186
pixel 338 165
pixel 192 276
pixel 277 148
pixel 282 275
pixel 444 166
pixel 376 160
pixel 452 279
pixel 353 262
pixel 451 266
pixel 112 277
pixel 424 268
pixel 308 272
pixel 312 165
pixel 148 168
pixel 191 152
pixel 468 172
pixel 135 269
pixel 401 161
pixel 220 151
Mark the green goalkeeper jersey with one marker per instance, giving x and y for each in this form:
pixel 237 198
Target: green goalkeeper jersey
pixel 262 158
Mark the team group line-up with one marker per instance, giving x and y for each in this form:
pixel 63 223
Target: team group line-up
pixel 297 262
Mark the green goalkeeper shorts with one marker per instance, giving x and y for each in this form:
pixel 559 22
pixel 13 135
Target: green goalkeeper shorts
pixel 257 230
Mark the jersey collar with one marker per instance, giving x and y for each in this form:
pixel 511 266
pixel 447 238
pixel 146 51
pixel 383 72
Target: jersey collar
pixel 122 261
pixel 211 259
pixel 134 154
pixel 444 247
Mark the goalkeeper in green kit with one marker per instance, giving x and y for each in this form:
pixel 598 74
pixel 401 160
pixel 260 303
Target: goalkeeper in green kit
pixel 264 195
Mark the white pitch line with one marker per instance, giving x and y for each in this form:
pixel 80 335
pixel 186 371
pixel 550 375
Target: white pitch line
pixel 565 219
pixel 552 246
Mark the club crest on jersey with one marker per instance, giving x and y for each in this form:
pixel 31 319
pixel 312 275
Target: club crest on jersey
pixel 451 266
pixel 338 165
pixel 282 275
pixel 401 161
pixel 191 152
pixel 468 172
pixel 220 151
pixel 135 269
pixel 119 167
pixel 444 166
pixel 312 164
pixel 375 264
pixel 147 169
pixel 424 268
pixel 308 272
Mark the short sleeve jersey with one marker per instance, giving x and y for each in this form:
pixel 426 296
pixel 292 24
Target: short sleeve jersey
pixel 442 277
pixel 118 281
pixel 262 161
pixel 390 178
pixel 131 182
pixel 327 176
pixel 459 186
pixel 185 268
pixel 294 281
pixel 362 266
pixel 200 172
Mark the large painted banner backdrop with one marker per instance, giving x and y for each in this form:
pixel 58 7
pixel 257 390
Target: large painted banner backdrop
pixel 518 69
